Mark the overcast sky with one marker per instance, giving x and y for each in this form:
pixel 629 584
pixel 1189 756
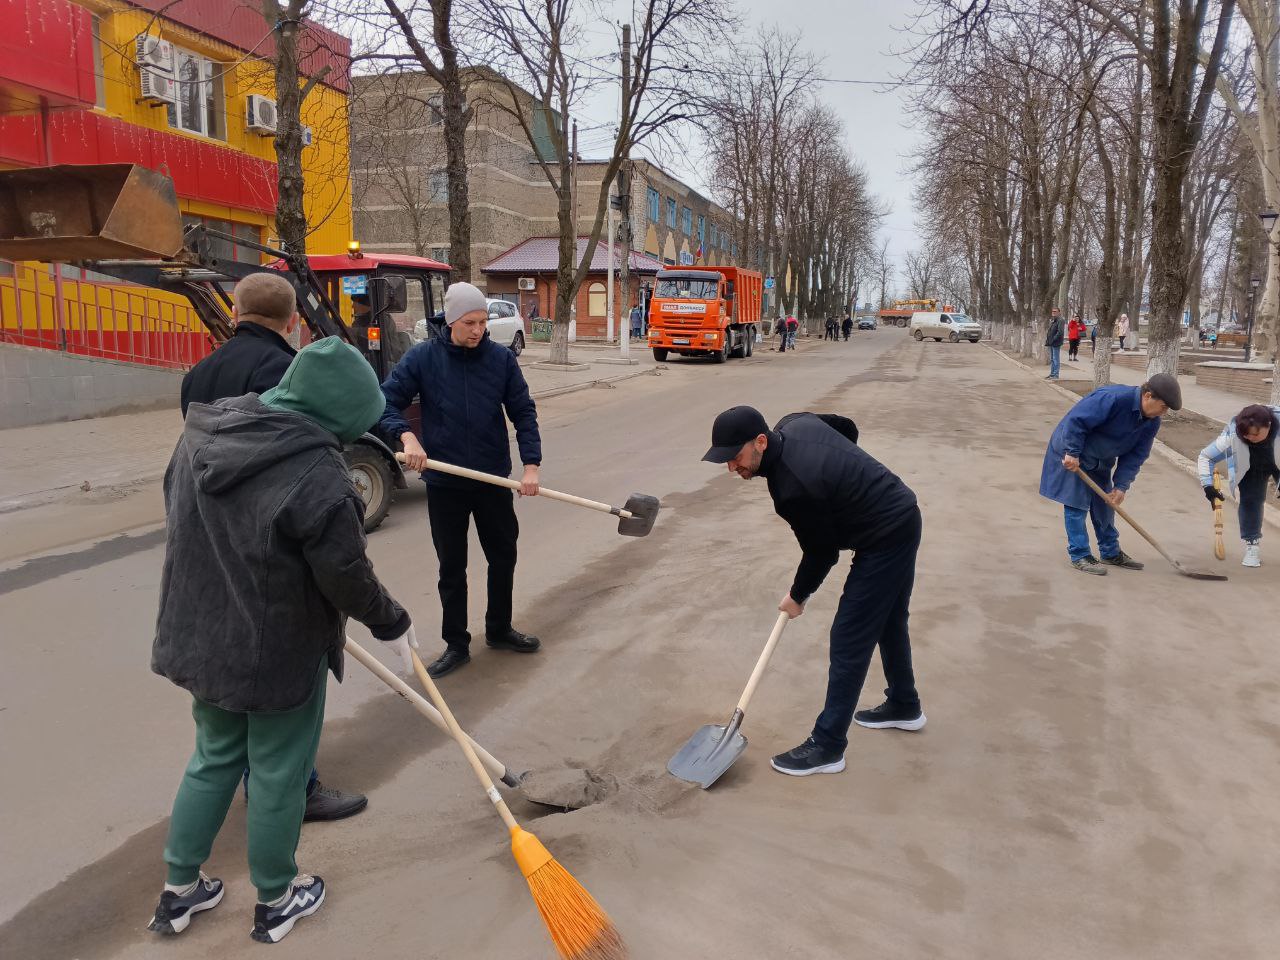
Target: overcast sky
pixel 856 40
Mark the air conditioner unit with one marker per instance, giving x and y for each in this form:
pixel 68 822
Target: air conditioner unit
pixel 158 87
pixel 154 53
pixel 526 283
pixel 261 117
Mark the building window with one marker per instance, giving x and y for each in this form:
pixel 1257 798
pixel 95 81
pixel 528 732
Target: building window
pixel 200 100
pixel 596 300
pixel 671 213
pixel 713 236
pixel 734 252
pixel 439 186
pixel 435 109
pixel 702 231
pixel 99 84
pixel 655 206
pixel 686 216
pixel 440 253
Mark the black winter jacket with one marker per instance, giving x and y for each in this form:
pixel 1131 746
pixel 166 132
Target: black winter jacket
pixel 464 393
pixel 264 558
pixel 252 361
pixel 1053 335
pixel 833 494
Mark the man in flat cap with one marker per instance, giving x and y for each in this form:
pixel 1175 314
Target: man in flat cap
pixel 835 497
pixel 466 383
pixel 1108 435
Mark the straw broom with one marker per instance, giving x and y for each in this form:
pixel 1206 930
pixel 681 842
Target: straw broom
pixel 580 929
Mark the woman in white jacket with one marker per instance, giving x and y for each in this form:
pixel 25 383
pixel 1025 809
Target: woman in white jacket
pixel 1122 328
pixel 1248 447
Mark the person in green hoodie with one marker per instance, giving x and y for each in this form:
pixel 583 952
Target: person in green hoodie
pixel 264 560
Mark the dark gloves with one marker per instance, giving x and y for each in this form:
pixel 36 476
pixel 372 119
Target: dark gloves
pixel 1213 495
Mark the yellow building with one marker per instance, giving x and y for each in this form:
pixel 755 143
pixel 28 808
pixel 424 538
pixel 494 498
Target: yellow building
pixel 185 88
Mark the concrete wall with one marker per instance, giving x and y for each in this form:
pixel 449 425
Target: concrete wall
pixel 45 386
pixel 1252 380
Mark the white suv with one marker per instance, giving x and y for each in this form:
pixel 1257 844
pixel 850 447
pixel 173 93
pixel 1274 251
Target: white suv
pixel 945 326
pixel 506 326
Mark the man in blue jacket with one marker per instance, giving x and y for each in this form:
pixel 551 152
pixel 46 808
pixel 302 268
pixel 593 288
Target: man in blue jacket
pixel 465 383
pixel 1107 435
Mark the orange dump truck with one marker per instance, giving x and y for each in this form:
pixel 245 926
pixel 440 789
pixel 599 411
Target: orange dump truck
pixel 705 312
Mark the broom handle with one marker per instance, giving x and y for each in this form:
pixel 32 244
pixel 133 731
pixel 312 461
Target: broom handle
pixel 1127 519
pixel 419 703
pixel 763 662
pixel 515 485
pixel 464 742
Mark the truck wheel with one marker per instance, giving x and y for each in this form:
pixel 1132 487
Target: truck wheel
pixel 372 478
pixel 751 343
pixel 660 354
pixel 954 337
pixel 919 335
pixel 725 352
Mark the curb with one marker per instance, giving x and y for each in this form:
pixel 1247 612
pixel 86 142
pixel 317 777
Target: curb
pixel 1269 513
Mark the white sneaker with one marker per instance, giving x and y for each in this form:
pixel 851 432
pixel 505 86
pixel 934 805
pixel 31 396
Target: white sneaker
pixel 1252 555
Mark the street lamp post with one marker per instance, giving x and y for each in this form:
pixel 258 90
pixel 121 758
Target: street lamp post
pixel 1248 339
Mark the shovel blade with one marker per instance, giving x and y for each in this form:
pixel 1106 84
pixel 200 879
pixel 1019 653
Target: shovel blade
pixel 644 511
pixel 1199 574
pixel 707 755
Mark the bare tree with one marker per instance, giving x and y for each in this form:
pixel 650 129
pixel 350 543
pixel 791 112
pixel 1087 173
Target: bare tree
pixel 919 269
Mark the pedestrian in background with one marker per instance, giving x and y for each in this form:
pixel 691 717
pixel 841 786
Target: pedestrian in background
pixel 637 322
pixel 847 326
pixel 265 311
pixel 1122 328
pixel 1053 341
pixel 264 561
pixel 1093 337
pixel 793 327
pixel 835 496
pixel 780 329
pixel 469 386
pixel 1247 445
pixel 1108 435
pixel 1075 330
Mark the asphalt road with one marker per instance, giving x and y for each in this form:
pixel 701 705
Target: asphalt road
pixel 1097 777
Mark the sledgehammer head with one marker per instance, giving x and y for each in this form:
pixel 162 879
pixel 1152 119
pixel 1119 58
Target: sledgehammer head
pixel 644 511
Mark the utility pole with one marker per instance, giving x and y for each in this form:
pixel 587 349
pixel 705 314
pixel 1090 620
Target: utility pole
pixel 624 200
pixel 573 204
pixel 608 283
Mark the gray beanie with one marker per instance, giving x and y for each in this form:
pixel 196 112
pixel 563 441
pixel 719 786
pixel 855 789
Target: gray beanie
pixel 462 298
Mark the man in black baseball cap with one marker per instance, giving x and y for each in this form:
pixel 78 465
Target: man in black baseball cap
pixel 835 497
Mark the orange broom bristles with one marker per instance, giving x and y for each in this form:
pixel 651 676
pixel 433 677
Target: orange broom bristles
pixel 579 927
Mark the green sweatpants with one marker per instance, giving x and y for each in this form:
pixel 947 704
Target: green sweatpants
pixel 279 749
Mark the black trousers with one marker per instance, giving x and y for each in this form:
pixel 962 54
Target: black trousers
pixel 451 509
pixel 873 612
pixel 1074 348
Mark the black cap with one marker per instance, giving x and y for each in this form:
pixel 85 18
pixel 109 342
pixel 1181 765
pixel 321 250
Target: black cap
pixel 1165 387
pixel 732 429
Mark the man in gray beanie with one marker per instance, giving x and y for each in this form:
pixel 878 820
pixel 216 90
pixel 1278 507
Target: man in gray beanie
pixel 469 387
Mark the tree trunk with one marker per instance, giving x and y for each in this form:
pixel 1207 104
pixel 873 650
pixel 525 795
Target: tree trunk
pixel 457 118
pixel 291 218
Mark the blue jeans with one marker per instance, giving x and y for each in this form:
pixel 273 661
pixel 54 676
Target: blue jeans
pixel 1104 526
pixel 1055 361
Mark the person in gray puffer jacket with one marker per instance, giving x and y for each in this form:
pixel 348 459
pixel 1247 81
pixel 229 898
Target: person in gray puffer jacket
pixel 264 560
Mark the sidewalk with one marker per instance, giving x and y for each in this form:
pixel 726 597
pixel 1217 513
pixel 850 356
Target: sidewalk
pixel 58 461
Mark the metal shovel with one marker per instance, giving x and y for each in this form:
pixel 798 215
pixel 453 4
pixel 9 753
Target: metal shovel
pixel 635 518
pixel 713 749
pixel 1193 574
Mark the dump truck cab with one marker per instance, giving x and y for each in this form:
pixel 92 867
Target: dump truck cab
pixel 709 312
pixel 123 221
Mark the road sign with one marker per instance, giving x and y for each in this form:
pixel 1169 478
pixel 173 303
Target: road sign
pixel 768 283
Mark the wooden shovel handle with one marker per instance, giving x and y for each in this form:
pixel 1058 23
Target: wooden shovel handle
pixel 515 485
pixel 416 700
pixel 1219 548
pixel 1127 519
pixel 464 742
pixel 763 662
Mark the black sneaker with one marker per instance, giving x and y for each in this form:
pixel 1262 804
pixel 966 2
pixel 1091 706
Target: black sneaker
pixel 448 662
pixel 174 912
pixel 272 924
pixel 891 715
pixel 324 803
pixel 1089 565
pixel 1124 561
pixel 512 639
pixel 807 759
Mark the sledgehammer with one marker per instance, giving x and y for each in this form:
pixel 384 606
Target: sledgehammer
pixel 635 518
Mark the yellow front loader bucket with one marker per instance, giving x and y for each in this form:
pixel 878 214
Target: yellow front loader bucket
pixel 108 211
